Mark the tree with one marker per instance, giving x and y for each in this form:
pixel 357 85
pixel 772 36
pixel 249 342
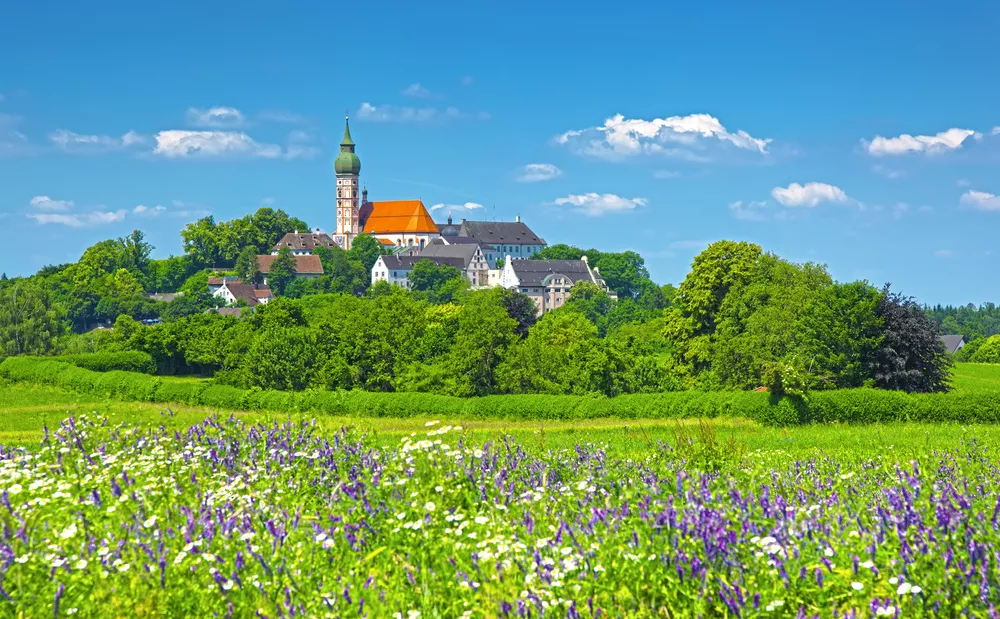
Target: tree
pixel 588 299
pixel 521 308
pixel 247 267
pixel 282 270
pixel 721 266
pixel 437 283
pixel 987 350
pixel 135 252
pixel 365 249
pixel 484 333
pixel 910 358
pixel 29 324
pixel 201 242
pixel 341 272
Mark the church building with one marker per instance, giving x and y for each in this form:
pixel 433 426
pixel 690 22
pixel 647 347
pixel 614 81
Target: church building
pixel 396 223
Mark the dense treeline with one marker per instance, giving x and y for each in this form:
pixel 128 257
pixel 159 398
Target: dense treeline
pixel 741 319
pixel 979 325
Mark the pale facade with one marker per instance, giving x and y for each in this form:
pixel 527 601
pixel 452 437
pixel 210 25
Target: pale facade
pixel 548 282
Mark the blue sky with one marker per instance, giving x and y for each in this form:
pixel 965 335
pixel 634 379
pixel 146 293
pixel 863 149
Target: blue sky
pixel 861 135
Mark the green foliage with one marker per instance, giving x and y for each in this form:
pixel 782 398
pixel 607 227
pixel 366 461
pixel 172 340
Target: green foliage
pixel 282 271
pixel 437 283
pixel 211 244
pixel 972 321
pixel 521 308
pixel 987 351
pixel 126 361
pixel 247 268
pixel 365 250
pixel 29 323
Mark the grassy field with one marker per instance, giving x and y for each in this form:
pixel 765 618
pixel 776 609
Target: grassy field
pixel 25 409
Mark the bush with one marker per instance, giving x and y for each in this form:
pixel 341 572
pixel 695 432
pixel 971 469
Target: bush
pixel 858 406
pixel 127 361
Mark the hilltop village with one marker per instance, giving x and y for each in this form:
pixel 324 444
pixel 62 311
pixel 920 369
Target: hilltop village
pixel 488 253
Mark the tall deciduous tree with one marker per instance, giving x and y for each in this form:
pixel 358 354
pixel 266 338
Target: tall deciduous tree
pixel 247 267
pixel 282 270
pixel 28 323
pixel 437 283
pixel 365 249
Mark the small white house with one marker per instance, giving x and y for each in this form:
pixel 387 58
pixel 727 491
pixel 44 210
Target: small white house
pixel 230 289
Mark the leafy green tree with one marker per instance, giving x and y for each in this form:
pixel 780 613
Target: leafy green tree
pixel 987 350
pixel 910 358
pixel 555 357
pixel 187 305
pixel 247 267
pixel 437 283
pixel 201 242
pixel 281 358
pixel 717 269
pixel 282 271
pixel 842 333
pixel 29 323
pixel 485 331
pixel 341 272
pixel 134 253
pixel 588 299
pixel 365 249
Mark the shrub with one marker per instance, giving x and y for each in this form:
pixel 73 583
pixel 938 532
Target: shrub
pixel 858 406
pixel 126 360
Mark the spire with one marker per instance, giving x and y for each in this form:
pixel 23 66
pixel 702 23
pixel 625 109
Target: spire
pixel 347 141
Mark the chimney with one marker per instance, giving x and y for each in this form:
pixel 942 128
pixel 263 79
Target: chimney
pixel 296 232
pixel 463 220
pixel 584 259
pixel 517 218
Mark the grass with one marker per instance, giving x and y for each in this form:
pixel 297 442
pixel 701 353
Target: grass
pixel 26 409
pixel 976 377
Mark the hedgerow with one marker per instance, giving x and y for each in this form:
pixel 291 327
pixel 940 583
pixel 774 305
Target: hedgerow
pixel 126 360
pixel 844 406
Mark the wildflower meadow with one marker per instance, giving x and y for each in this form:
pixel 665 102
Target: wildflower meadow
pixel 230 519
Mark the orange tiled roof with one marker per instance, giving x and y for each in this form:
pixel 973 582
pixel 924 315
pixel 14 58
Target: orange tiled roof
pixel 386 242
pixel 399 216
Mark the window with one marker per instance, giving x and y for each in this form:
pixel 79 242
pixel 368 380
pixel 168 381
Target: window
pixel 338 193
pixel 524 290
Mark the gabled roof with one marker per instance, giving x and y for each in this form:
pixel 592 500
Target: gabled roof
pixel 308 264
pixel 386 242
pixel 534 272
pixel 405 263
pixel 501 233
pixel 243 291
pixel 397 217
pixel 952 342
pixel 305 241
pixel 464 251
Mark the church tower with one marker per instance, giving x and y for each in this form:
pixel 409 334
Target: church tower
pixel 347 165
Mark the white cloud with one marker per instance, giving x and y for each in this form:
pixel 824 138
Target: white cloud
pixel 219 116
pixel 594 204
pixel 12 141
pixel 300 147
pixel 149 211
pixel 419 92
pixel 808 195
pixel 79 143
pixel 397 114
pixel 45 203
pixel 981 200
pixel 79 220
pixel 996 131
pixel 468 206
pixel 949 140
pixel 537 172
pixel 888 172
pixel 673 136
pixel 180 143
pixel 749 211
